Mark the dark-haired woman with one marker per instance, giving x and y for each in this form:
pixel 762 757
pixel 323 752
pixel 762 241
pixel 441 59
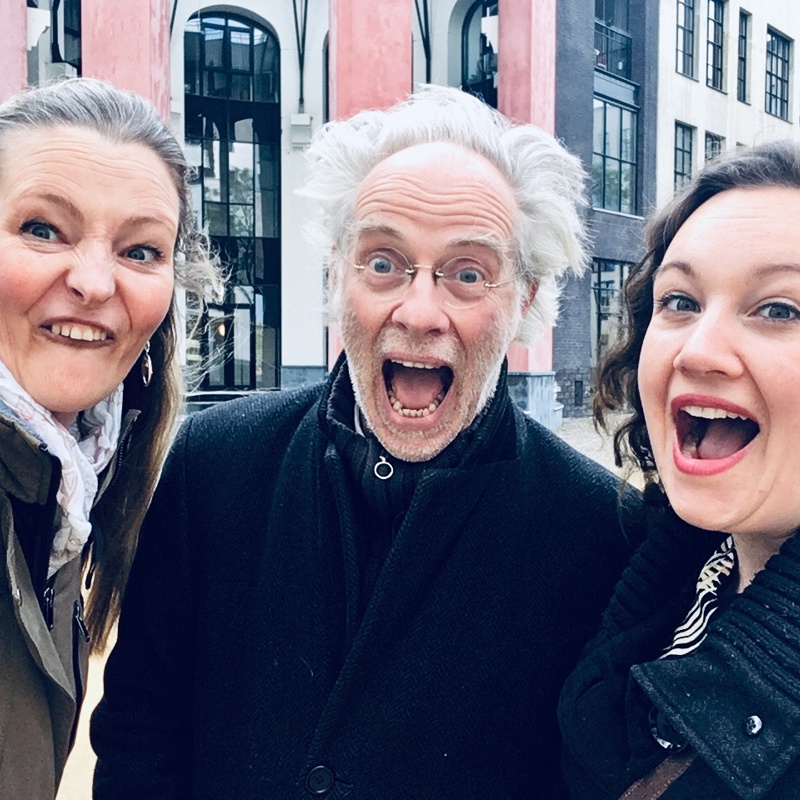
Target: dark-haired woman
pixel 692 687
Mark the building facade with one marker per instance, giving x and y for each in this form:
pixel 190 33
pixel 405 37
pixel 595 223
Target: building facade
pixel 727 77
pixel 643 91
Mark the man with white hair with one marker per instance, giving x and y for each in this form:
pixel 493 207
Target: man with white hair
pixel 375 587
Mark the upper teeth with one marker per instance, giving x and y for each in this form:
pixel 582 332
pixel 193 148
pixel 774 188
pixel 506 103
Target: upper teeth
pixel 82 332
pixel 415 364
pixel 711 413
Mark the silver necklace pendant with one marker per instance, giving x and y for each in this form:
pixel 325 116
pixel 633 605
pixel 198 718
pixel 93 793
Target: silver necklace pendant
pixel 383 470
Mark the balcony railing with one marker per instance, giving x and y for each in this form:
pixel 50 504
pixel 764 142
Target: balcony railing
pixel 612 51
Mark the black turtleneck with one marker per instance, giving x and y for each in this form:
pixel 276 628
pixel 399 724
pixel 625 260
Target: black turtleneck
pixel 381 505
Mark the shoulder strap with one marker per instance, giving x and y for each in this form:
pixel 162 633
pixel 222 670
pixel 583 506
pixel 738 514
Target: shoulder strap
pixel 654 785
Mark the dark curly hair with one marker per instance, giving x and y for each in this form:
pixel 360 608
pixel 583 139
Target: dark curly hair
pixel 772 164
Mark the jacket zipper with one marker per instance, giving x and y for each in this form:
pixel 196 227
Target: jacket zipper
pixel 79 630
pixel 48 601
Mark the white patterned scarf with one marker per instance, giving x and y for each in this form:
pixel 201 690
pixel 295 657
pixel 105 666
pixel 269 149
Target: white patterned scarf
pixel 84 450
pixel 717 573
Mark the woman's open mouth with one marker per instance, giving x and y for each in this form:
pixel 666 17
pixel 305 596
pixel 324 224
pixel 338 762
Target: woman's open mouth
pixel 416 389
pixel 709 433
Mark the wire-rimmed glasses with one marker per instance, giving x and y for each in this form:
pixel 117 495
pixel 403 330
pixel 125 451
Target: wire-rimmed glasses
pixel 463 280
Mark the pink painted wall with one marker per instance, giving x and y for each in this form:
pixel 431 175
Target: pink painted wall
pixel 527 61
pixel 527 93
pixel 128 44
pixel 370 54
pixel 13 39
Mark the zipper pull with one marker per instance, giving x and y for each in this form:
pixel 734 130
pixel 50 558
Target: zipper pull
pixel 48 600
pixel 78 617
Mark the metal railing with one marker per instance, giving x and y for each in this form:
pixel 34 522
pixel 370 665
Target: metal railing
pixel 612 51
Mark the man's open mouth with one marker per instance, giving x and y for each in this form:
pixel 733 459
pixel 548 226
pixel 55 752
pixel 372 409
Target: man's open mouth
pixel 416 389
pixel 712 433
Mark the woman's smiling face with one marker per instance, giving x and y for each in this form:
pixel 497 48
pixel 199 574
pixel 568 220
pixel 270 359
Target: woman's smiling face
pixel 719 371
pixel 87 233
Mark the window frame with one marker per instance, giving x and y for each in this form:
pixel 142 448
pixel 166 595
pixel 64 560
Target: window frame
pixel 630 163
pixel 715 44
pixel 683 133
pixel 685 38
pixel 714 145
pixel 742 59
pixel 776 84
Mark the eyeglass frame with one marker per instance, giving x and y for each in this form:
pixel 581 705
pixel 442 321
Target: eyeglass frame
pixel 436 273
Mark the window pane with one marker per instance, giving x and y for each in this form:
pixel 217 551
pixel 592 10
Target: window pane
pixel 214 42
pixel 216 218
pixel 627 188
pixel 240 87
pixel 597 181
pixel 241 217
pixel 599 126
pixel 612 185
pixel 240 168
pixel 628 136
pixel 192 65
pixel 215 178
pixel 240 50
pixel 613 130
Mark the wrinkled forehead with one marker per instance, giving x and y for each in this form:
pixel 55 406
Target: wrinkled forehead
pixel 438 185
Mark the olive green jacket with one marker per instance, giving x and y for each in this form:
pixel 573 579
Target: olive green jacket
pixel 42 668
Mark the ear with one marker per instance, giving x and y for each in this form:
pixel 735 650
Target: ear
pixel 527 300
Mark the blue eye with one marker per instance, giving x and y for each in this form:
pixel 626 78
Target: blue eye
pixel 143 253
pixel 381 265
pixel 778 311
pixel 40 230
pixel 465 271
pixel 678 302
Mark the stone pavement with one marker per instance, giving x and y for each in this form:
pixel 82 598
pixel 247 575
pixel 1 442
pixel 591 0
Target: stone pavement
pixel 77 782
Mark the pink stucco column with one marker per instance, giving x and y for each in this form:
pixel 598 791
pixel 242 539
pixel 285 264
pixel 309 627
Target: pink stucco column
pixel 13 40
pixel 527 61
pixel 369 51
pixel 128 44
pixel 369 58
pixel 527 93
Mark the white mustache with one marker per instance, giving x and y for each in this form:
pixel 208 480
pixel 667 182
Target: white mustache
pixel 446 349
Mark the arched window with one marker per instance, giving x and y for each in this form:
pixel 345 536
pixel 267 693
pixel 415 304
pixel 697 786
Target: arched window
pixel 233 130
pixel 479 46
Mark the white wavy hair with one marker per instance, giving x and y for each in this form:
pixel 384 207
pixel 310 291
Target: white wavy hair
pixel 547 182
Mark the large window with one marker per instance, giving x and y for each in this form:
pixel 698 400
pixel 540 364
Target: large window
pixel 684 153
pixel 479 46
pixel 614 157
pixel 714 145
pixel 776 101
pixel 742 78
pixel 233 129
pixel 684 52
pixel 608 278
pixel 716 31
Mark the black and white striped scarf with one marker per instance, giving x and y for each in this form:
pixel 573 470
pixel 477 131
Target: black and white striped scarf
pixel 714 576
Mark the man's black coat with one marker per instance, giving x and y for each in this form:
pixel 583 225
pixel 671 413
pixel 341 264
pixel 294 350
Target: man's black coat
pixel 243 671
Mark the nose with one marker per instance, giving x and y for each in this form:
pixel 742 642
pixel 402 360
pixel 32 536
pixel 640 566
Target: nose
pixel 91 275
pixel 421 309
pixel 710 346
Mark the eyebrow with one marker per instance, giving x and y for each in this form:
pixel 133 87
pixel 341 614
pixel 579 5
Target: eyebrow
pixel 764 271
pixel 498 246
pixel 71 208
